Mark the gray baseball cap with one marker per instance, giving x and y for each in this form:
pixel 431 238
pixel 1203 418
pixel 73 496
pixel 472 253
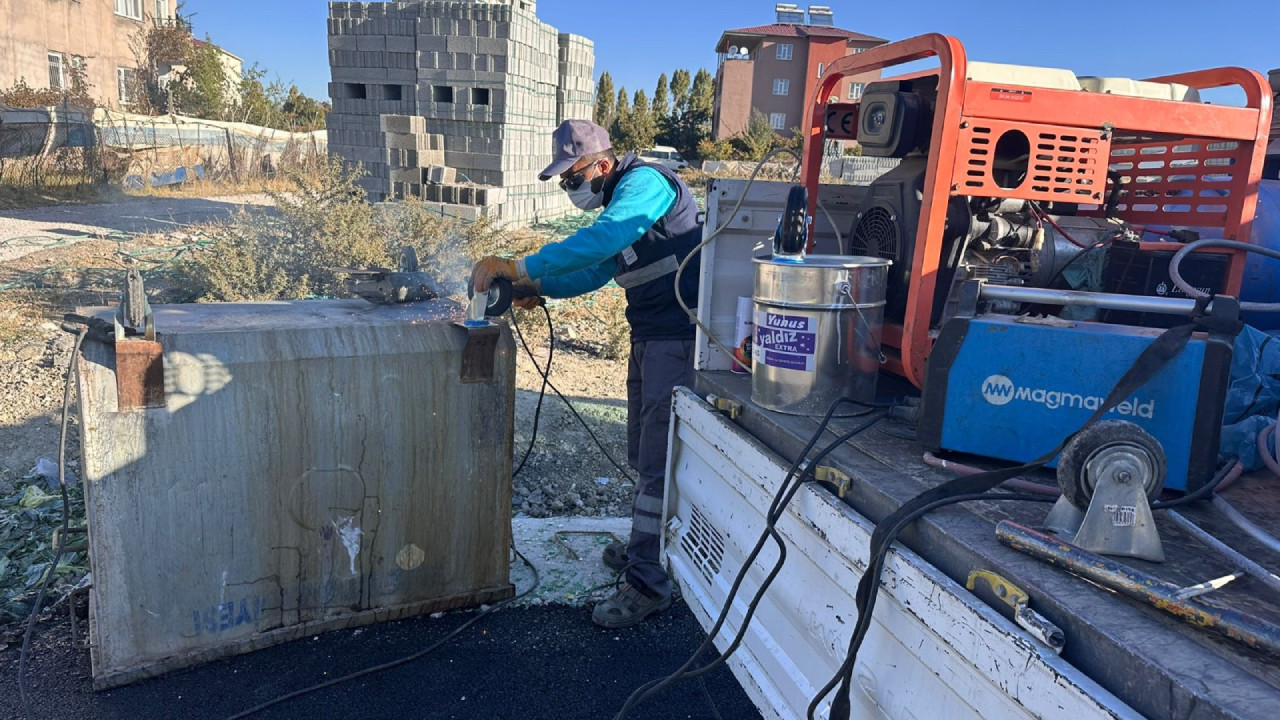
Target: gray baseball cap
pixel 572 140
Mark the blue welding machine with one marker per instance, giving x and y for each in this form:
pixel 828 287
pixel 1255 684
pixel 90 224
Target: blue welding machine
pixel 1013 388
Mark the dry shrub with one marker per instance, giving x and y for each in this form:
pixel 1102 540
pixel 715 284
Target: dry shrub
pixel 323 223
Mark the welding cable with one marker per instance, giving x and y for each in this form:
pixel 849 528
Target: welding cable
pixel 546 377
pixel 1259 573
pixel 840 705
pixel 786 491
pixel 716 233
pixel 1222 479
pixel 1246 524
pixel 537 580
pixel 1264 449
pixel 61 538
pixel 1175 265
pixel 542 393
pixel 1015 483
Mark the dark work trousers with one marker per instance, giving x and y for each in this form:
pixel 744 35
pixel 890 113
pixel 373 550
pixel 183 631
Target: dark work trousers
pixel 656 367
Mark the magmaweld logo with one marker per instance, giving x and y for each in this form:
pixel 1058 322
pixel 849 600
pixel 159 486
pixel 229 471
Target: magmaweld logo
pixel 1000 390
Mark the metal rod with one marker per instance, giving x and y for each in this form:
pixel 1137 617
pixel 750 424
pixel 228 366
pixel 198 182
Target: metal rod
pixel 1111 301
pixel 1246 524
pixel 1253 632
pixel 1254 569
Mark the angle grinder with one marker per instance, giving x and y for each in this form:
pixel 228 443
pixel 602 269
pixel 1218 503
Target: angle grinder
pixel 497 300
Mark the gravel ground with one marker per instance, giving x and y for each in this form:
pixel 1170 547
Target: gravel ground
pixel 140 216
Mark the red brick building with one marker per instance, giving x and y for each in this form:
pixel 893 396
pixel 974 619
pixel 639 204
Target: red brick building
pixel 775 68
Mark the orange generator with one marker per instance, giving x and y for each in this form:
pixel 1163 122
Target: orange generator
pixel 1016 175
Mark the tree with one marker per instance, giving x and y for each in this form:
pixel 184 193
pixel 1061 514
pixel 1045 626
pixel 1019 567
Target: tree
pixel 203 89
pixel 641 130
pixel 661 103
pixel 303 113
pixel 679 93
pixel 606 107
pixel 759 137
pixel 702 102
pixel 621 122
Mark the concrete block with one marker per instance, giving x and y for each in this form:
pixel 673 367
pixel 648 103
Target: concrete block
pixel 440 174
pixel 460 44
pixel 431 43
pixel 405 175
pixel 401 44
pixel 371 42
pixel 431 193
pixel 343 42
pixel 490 196
pixel 402 141
pixel 466 195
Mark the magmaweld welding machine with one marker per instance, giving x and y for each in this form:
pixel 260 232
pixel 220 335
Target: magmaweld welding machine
pixel 1013 388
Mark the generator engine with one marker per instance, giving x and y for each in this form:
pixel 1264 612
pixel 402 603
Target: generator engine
pixel 1000 240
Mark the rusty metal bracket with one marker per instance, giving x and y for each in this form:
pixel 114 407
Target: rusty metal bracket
pixel 727 407
pixel 478 354
pixel 559 539
pixel 837 477
pixel 1015 597
pixel 139 362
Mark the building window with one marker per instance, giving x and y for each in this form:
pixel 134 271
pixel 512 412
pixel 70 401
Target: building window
pixel 778 121
pixel 480 96
pixel 784 51
pixel 855 90
pixel 441 94
pixel 781 86
pixel 821 67
pixel 129 8
pixel 859 50
pixel 57 71
pixel 162 9
pixel 125 79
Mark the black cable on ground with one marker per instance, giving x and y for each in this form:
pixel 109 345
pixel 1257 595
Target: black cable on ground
pixel 547 380
pixel 537 580
pixel 786 490
pixel 840 705
pixel 1201 492
pixel 66 525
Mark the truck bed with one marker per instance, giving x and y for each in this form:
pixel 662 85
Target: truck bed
pixel 1157 664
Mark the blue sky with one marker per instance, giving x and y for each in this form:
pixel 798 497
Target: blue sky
pixel 637 41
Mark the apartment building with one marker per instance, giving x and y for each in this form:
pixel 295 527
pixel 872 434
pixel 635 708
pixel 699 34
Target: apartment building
pixel 775 68
pixel 40 42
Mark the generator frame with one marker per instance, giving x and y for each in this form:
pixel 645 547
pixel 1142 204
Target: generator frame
pixel 1184 164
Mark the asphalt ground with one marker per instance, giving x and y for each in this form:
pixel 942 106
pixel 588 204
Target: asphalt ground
pixel 540 657
pixel 528 663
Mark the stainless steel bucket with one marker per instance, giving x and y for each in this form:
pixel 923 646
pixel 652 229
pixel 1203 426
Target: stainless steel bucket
pixel 817 332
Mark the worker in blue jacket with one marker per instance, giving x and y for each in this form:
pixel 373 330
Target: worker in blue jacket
pixel 648 226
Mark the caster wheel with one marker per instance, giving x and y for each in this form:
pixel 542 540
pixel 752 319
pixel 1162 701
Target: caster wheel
pixel 1111 448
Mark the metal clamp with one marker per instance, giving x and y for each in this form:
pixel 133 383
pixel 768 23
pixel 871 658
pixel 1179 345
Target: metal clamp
pixel 1015 597
pixel 729 408
pixel 835 476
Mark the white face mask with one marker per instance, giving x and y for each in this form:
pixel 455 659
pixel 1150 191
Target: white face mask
pixel 585 199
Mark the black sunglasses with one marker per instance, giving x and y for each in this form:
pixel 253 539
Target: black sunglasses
pixel 574 182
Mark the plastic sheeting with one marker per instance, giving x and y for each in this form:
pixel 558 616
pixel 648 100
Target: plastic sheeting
pixel 1253 399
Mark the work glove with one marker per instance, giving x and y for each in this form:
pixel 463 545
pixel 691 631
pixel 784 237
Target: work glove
pixel 491 267
pixel 528 294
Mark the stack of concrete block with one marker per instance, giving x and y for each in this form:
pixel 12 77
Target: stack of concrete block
pixel 575 95
pixel 489 77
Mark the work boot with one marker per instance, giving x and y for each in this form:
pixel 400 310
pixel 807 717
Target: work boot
pixel 627 607
pixel 615 556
